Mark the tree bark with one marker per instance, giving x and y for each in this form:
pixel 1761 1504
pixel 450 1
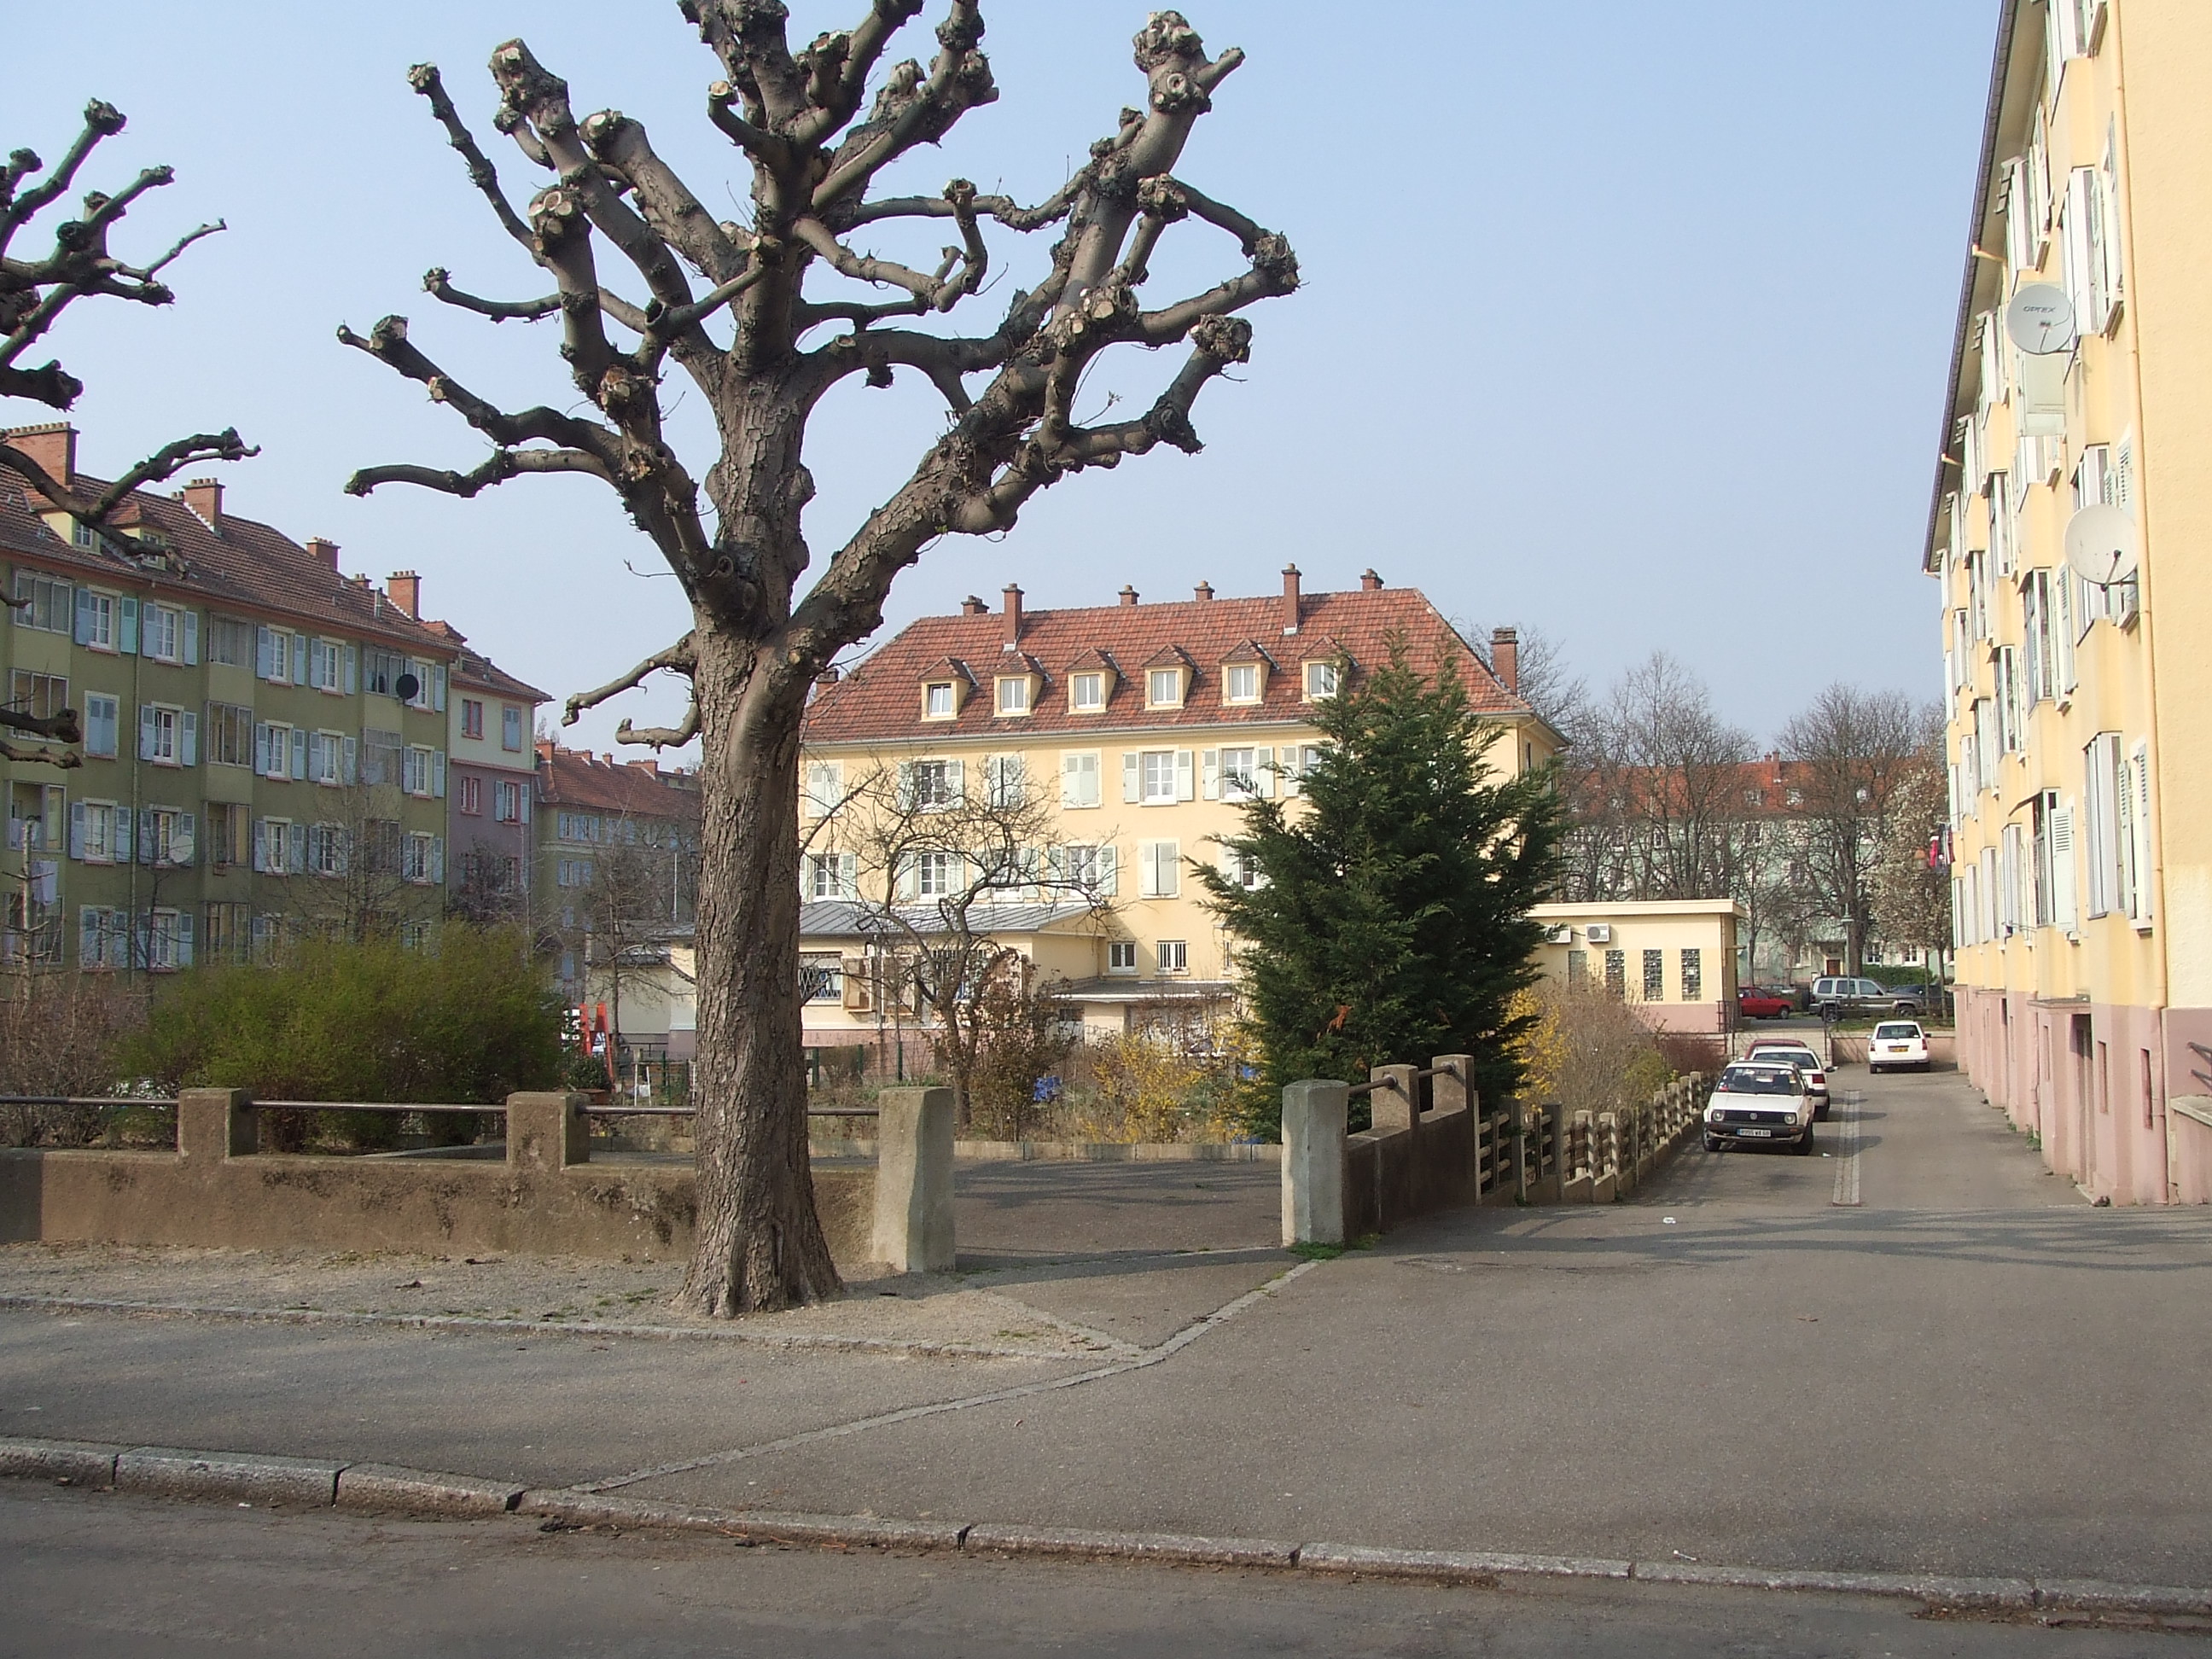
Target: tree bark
pixel 760 1243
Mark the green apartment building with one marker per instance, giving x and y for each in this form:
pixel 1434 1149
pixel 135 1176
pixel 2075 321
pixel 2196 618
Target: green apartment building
pixel 265 739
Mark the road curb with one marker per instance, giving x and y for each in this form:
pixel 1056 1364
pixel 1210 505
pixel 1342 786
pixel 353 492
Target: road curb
pixel 174 1472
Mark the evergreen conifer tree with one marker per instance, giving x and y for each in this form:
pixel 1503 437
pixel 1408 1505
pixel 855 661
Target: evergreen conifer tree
pixel 1391 921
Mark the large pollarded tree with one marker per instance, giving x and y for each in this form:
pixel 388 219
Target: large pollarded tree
pixel 727 306
pixel 34 291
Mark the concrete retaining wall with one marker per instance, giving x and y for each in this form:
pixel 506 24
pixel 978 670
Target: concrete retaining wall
pixel 218 1189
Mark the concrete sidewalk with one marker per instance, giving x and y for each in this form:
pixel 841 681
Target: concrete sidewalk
pixel 1733 1369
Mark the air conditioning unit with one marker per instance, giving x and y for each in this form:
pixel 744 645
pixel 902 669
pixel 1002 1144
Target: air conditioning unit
pixel 1559 936
pixel 1599 933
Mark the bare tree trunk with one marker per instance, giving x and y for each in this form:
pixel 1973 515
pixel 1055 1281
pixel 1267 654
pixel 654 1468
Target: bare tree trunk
pixel 760 1242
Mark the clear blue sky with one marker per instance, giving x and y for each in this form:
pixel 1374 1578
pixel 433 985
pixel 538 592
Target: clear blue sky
pixel 1625 321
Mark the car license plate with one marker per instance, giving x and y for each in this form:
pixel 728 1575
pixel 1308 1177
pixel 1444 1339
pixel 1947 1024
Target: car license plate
pixel 1893 1048
pixel 1761 1135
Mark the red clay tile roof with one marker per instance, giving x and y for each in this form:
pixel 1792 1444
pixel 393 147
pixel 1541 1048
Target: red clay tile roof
pixel 578 778
pixel 878 701
pixel 479 672
pixel 248 567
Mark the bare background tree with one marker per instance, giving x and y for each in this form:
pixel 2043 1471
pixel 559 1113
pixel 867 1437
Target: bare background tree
pixel 756 642
pixel 1912 881
pixel 639 890
pixel 354 885
pixel 1854 750
pixel 33 294
pixel 943 875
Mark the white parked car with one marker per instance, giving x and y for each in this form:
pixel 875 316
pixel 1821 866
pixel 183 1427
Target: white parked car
pixel 1898 1043
pixel 1760 1103
pixel 1801 1055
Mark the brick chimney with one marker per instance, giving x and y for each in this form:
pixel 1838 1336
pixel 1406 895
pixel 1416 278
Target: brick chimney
pixel 1128 594
pixel 1369 582
pixel 405 590
pixel 972 606
pixel 52 444
pixel 324 552
pixel 1290 598
pixel 1505 657
pixel 204 497
pixel 1013 639
pixel 1202 593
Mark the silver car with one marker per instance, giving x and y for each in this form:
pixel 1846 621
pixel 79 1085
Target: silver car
pixel 1760 1103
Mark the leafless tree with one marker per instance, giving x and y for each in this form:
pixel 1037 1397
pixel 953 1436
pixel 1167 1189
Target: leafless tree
pixel 1853 751
pixel 353 884
pixel 756 643
pixel 1911 881
pixel 34 293
pixel 636 893
pixel 943 873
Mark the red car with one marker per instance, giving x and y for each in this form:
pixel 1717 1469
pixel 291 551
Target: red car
pixel 1752 1003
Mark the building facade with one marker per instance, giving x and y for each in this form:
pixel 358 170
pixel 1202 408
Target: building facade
pixel 2078 710
pixel 492 783
pixel 1126 739
pixel 617 859
pixel 265 747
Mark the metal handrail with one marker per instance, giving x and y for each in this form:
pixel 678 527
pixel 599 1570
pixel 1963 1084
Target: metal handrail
pixel 397 1106
pixel 1391 1083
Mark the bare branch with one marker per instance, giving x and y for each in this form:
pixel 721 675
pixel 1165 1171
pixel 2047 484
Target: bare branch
pixel 662 737
pixel 61 757
pixel 387 343
pixel 503 465
pixel 102 120
pixel 424 78
pixel 64 727
pixel 176 248
pixel 165 463
pixel 437 282
pixel 910 111
pixel 680 657
pixel 1003 209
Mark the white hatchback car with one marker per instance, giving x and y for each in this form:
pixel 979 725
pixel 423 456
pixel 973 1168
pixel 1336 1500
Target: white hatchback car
pixel 1762 1102
pixel 1801 1055
pixel 1898 1043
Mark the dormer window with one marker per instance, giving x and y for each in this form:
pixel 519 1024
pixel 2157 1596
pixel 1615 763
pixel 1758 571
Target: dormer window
pixel 1321 681
pixel 1240 683
pixel 1087 693
pixel 1014 695
pixel 940 701
pixel 1164 687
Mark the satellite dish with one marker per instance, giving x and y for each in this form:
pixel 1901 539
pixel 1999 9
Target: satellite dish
pixel 406 688
pixel 2100 544
pixel 2040 319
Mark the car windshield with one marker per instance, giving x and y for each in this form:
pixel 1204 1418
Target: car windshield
pixel 1897 1032
pixel 1759 1080
pixel 1795 1056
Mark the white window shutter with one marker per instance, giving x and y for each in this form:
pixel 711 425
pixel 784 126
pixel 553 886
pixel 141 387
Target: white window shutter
pixel 906 786
pixel 956 773
pixel 2140 768
pixel 2123 830
pixel 1070 779
pixel 1185 782
pixel 2080 283
pixel 149 725
pixel 1209 764
pixel 1263 765
pixel 848 875
pixel 1108 874
pixel 184 939
pixel 909 877
pixel 2060 829
pixel 1133 783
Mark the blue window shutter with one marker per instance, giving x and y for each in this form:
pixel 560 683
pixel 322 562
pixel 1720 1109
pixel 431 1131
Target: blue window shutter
pixel 184 844
pixel 123 842
pixel 192 639
pixel 188 738
pixel 84 609
pixel 147 728
pixel 299 754
pixel 299 659
pixel 438 687
pixel 87 937
pixel 265 653
pixel 296 860
pixel 261 844
pixel 351 766
pixel 77 830
pixel 126 626
pixel 184 939
pixel 438 860
pixel 352 671
pixel 438 773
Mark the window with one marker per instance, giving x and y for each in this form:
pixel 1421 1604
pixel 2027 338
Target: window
pixel 423 859
pixel 832 876
pixel 1014 695
pixel 1616 973
pixel 1079 778
pixel 275 658
pixel 510 727
pixel 507 801
pixel 2101 814
pixel 225 931
pixel 1577 968
pixel 1241 869
pixel 36 818
pixel 471 718
pixel 42 696
pixel 825 787
pixel 422 772
pixel 1160 869
pixel 168 736
pixel 380 671
pixel 1122 956
pixel 930 784
pixel 1694 976
pixel 168 837
pixel 229 735
pixel 45 603
pixel 472 797
pixel 938 701
pixel 230 643
pixel 822 976
pixel 1174 956
pixel 1086 870
pixel 1654 976
pixel 160 634
pixel 229 834
pixel 1164 687
pixel 1240 683
pixel 95 619
pixel 1321 681
pixel 1240 774
pixel 1162 776
pixel 326 849
pixel 323 657
pixel 329 757
pixel 280 848
pixel 572 873
pixel 1006 781
pixel 1087 693
pixel 279 752
pixel 936 874
pixel 103 938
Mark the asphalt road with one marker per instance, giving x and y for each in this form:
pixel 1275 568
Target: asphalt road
pixel 1967 1371
pixel 112 1577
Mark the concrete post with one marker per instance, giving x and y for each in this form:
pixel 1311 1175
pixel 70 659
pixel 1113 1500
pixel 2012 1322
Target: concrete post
pixel 1454 1083
pixel 914 1180
pixel 216 1124
pixel 1397 1106
pixel 547 1131
pixel 1313 1162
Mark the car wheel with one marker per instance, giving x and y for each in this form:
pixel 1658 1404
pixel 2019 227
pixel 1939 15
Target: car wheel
pixel 1714 1143
pixel 1873 1069
pixel 1804 1146
pixel 1821 1113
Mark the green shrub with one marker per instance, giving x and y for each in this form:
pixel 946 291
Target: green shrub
pixel 470 1019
